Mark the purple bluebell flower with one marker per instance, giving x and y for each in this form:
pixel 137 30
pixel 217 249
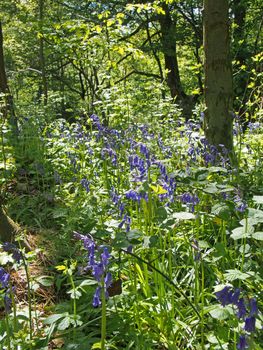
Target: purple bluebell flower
pixel 108 280
pixel 133 195
pixel 241 206
pixel 224 296
pixel 4 278
pixel 98 264
pixel 97 271
pixel 241 308
pixel 235 296
pixel 250 324
pixel 253 126
pixel 96 298
pixel 242 343
pixel 105 256
pixel 57 178
pixel 129 249
pixel 11 248
pixel 144 150
pixel 85 183
pixel 253 307
pixel 7 301
pixel 190 200
pixel 125 221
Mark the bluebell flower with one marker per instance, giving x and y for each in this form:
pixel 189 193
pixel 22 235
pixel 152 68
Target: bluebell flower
pixel 250 324
pixel 4 278
pixel 235 296
pixel 242 343
pixel 98 264
pixel 253 126
pixel 7 301
pixel 125 221
pixel 97 271
pixel 131 194
pixel 108 280
pixel 85 183
pixel 190 200
pixel 105 256
pixel 241 308
pixel 11 248
pixel 253 307
pixel 224 296
pixel 144 150
pixel 241 206
pixel 96 298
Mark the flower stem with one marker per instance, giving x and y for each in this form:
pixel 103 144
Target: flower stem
pixel 103 315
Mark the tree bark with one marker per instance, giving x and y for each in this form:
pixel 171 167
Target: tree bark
pixel 8 107
pixel 218 74
pixel 169 49
pixel 8 228
pixel 42 61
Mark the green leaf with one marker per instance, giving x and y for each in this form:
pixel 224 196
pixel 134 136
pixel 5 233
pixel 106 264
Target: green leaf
pixel 64 324
pixel 255 213
pixel 235 274
pixel 150 241
pixel 60 213
pixel 242 232
pixel 211 188
pixel 161 214
pixel 258 235
pixel 87 283
pixel 74 293
pixel 183 215
pixel 133 235
pixel 46 281
pixel 222 211
pixel 54 318
pixel 258 199
pixel 220 312
pixel 5 258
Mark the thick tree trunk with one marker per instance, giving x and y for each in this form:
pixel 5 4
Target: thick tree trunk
pixel 218 74
pixel 8 228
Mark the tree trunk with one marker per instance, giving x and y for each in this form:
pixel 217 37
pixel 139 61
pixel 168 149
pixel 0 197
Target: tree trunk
pixel 169 49
pixel 241 54
pixel 8 228
pixel 218 74
pixel 43 88
pixel 8 107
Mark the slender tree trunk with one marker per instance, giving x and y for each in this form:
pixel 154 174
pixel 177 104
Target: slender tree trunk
pixel 218 74
pixel 241 53
pixel 169 48
pixel 44 87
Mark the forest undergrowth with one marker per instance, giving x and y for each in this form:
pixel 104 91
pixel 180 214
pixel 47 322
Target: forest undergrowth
pixel 143 236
